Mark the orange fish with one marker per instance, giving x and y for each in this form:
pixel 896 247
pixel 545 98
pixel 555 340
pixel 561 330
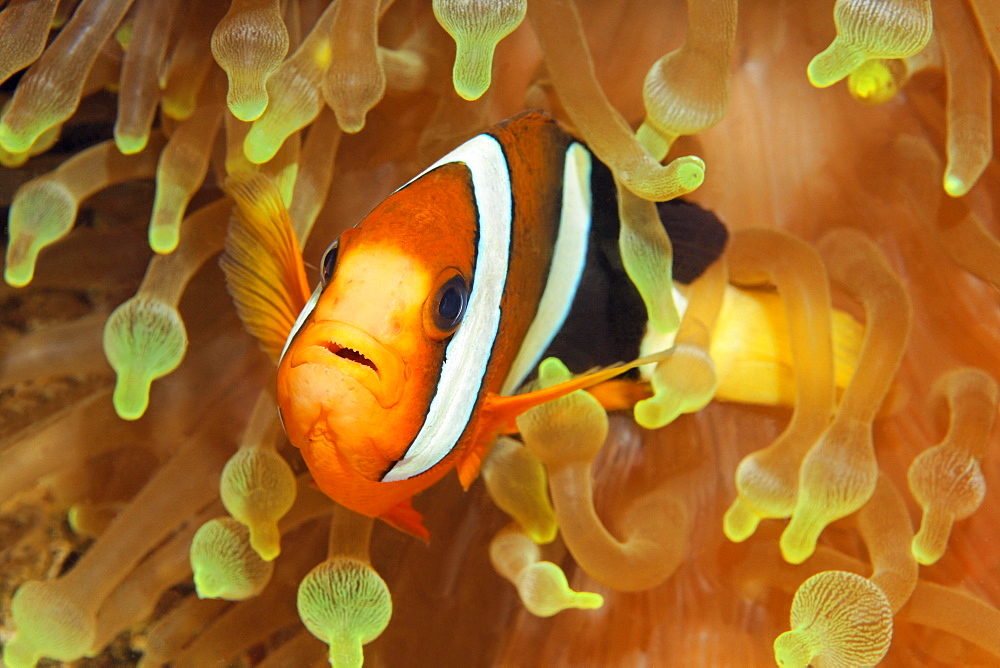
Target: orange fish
pixel 434 310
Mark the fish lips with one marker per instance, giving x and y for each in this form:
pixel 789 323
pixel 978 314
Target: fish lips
pixel 353 352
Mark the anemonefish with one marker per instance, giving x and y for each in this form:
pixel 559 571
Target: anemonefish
pixel 434 310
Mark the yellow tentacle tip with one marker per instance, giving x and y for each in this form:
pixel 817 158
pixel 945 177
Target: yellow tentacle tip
pixel 541 585
pixel 258 488
pixel 42 212
pixel 956 186
pixel 344 603
pixel 867 30
pixel 224 564
pixel 683 383
pixel 569 429
pixel 544 590
pixel 249 44
pixel 834 63
pixel 516 481
pixel 740 521
pixel 875 81
pixel 477 27
pixel 49 623
pixel 837 619
pixel 144 339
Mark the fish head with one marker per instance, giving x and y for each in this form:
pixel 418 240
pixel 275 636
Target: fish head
pixel 356 378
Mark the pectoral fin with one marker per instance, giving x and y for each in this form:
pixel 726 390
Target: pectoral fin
pixel 502 411
pixel 262 262
pixel 498 414
pixel 406 518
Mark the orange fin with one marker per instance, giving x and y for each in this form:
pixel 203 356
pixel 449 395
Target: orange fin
pixel 262 261
pixel 499 413
pixel 502 411
pixel 620 394
pixel 468 465
pixel 405 517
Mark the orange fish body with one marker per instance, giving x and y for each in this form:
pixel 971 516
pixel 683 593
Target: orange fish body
pixel 434 310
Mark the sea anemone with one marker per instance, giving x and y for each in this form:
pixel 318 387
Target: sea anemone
pixel 836 504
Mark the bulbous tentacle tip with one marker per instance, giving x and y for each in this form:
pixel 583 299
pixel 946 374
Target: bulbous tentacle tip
pixel 248 104
pixel 17 140
pixel 129 144
pixel 875 81
pixel 346 604
pixel 798 540
pixel 22 254
pixel 518 485
pixel 164 236
pixel 685 382
pixel 931 541
pixel 131 395
pixel 224 564
pixel 476 29
pixel 834 63
pixel 351 121
pixel 690 172
pixel 144 339
pixel 265 539
pixel 50 623
pixel 740 521
pixel 43 211
pixel 471 75
pixel 838 619
pixel 544 591
pixel 259 146
pixel 956 186
pixel 257 488
pixel 791 650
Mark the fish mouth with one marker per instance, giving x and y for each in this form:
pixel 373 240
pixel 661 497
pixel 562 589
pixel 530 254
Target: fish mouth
pixel 353 352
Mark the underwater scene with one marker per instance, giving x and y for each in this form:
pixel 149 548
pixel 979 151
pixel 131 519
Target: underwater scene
pixel 499 333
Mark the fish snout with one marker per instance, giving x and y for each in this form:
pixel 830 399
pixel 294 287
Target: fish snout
pixel 345 349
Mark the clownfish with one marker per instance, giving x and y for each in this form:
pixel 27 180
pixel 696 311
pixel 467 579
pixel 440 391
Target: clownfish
pixel 434 310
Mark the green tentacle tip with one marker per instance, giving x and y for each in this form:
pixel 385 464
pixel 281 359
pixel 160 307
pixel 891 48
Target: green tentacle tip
pixel 224 564
pixel 873 82
pixel 838 619
pixel 131 144
pixel 476 29
pixel 18 141
pixel 551 371
pixel 740 521
pixel 163 239
pixel 683 383
pixel 42 212
pixel 165 223
pixel 955 186
pixel 144 339
pixel 690 172
pixel 471 74
pixel 250 105
pixel 49 623
pixel 259 146
pixel 257 489
pixel 545 591
pixel 344 603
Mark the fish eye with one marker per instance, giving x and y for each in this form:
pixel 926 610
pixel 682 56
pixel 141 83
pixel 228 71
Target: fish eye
pixel 329 262
pixel 449 304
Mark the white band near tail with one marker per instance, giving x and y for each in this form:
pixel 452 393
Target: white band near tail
pixel 468 353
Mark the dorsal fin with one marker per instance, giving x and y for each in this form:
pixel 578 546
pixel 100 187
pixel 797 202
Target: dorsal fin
pixel 262 262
